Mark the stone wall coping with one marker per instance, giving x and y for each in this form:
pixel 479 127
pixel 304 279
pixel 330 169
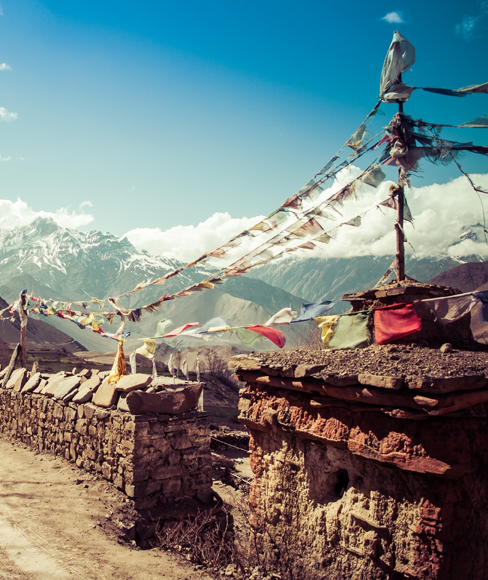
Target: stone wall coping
pixel 401 397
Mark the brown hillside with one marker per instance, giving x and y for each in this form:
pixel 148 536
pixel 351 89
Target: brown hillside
pixel 465 277
pixel 39 334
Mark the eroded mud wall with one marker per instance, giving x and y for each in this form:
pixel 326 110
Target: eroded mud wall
pixel 322 510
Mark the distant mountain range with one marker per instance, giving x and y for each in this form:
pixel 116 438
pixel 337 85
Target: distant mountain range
pixel 329 278
pixel 69 265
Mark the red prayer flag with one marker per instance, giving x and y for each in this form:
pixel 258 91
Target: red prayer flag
pixel 271 334
pixel 394 322
pixel 180 329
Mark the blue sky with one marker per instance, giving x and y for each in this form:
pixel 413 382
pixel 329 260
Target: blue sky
pixel 121 115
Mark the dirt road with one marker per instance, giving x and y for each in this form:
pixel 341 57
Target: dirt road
pixel 51 518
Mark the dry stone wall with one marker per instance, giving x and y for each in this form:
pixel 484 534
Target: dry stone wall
pixel 155 458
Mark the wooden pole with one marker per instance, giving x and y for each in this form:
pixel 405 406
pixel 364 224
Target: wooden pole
pixel 400 242
pixel 23 329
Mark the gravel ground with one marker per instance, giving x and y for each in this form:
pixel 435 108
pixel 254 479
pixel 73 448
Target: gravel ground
pixel 388 360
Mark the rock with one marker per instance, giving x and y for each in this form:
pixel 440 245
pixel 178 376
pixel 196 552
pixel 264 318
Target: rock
pixel 169 402
pixel 106 395
pixel 17 380
pixel 66 387
pixel 307 370
pixel 132 382
pixel 383 382
pixel 87 373
pixel 52 383
pixel 87 389
pixel 41 386
pixel 446 385
pixel 32 383
pixel 244 362
pixel 122 402
pixel 446 347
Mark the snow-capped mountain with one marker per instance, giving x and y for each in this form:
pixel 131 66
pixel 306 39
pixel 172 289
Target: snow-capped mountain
pixel 74 265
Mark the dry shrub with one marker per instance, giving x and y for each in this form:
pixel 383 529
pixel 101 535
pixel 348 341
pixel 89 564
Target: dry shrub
pixel 217 371
pixel 207 538
pixel 310 338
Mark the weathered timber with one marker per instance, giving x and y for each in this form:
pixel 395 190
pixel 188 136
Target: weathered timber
pixel 11 365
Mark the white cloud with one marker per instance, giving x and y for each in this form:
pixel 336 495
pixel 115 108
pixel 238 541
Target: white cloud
pixel 6 115
pixel 3 159
pixel 86 203
pixel 188 242
pixel 470 23
pixel 5 66
pixel 393 17
pixel 18 213
pixel 442 213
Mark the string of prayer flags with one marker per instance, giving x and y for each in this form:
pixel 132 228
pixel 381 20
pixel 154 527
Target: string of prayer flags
pixel 326 325
pixel 283 316
pixel 148 349
pixel 399 58
pixel 483 298
pixel 312 310
pixel 352 330
pixel 275 336
pixel 395 322
pixel 453 308
pixel 250 335
pixel 180 329
pixel 162 326
pixel 118 368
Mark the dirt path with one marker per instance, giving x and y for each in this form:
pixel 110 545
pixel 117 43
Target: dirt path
pixel 51 518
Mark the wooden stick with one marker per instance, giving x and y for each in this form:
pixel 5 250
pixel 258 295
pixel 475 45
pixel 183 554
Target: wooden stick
pixel 23 329
pixel 11 365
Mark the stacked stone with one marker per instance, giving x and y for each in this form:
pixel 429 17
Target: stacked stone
pixel 154 457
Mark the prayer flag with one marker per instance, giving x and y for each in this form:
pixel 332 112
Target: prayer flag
pixel 395 322
pixel 352 330
pixel 313 310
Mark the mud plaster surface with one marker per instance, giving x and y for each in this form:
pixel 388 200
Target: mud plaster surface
pixel 388 360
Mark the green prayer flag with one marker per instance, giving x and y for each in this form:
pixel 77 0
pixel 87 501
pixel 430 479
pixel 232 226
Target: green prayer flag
pixel 352 331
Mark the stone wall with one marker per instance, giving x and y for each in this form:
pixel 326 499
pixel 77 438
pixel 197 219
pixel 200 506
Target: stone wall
pixel 358 488
pixel 156 459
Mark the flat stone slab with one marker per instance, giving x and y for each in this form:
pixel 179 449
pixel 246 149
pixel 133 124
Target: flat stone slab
pixel 106 395
pixel 446 385
pixel 87 389
pixel 17 380
pixel 379 381
pixel 166 402
pixel 52 383
pixel 130 383
pixel 66 387
pixel 32 383
pixel 245 362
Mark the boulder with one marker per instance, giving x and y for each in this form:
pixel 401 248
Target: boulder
pixel 167 402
